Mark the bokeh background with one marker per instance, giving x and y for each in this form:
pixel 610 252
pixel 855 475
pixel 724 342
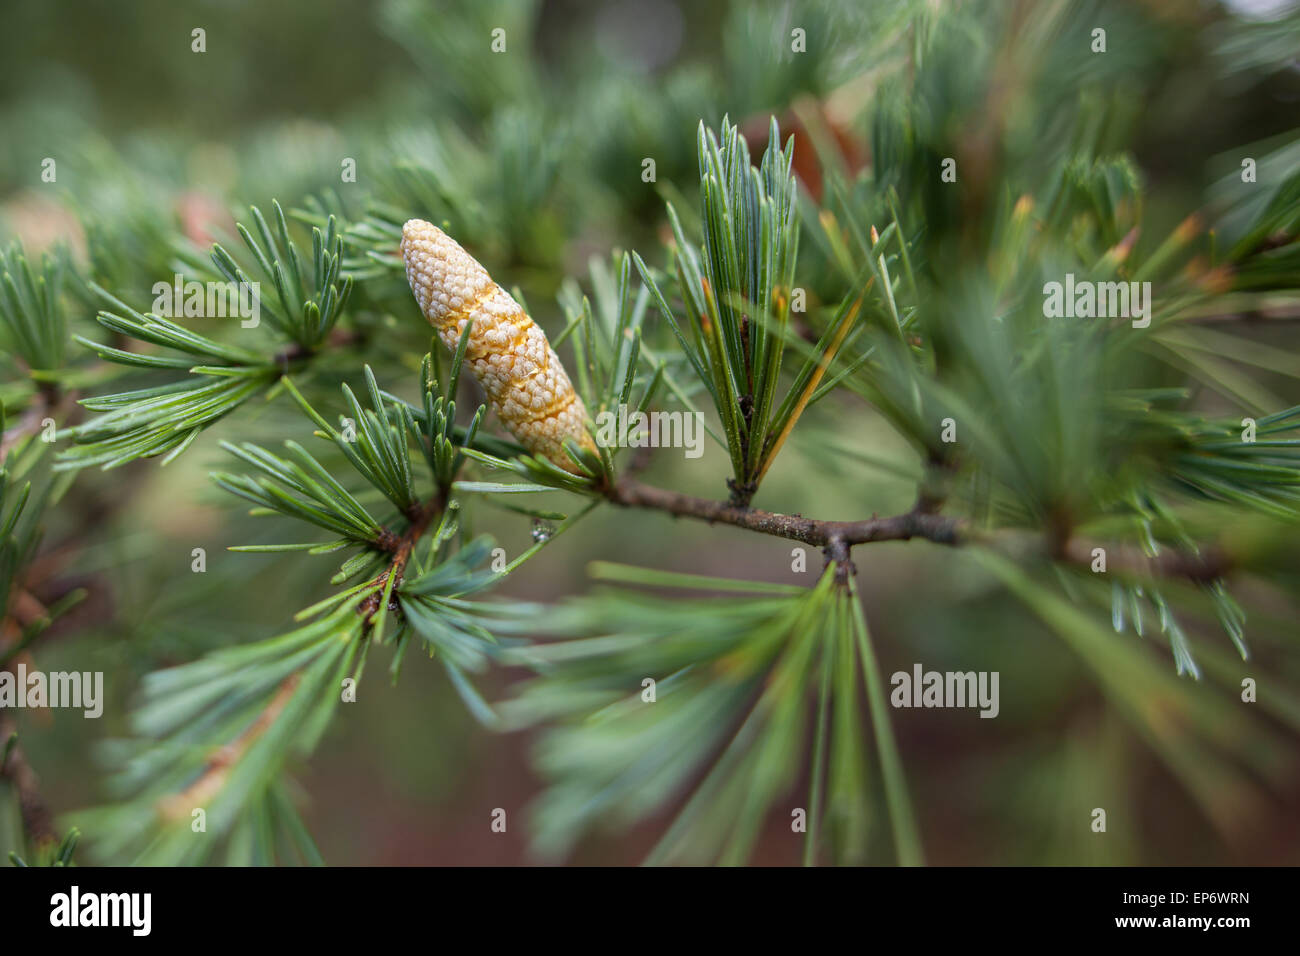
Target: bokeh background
pixel 538 153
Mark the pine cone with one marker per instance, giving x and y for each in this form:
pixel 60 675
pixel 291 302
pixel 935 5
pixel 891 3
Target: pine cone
pixel 525 382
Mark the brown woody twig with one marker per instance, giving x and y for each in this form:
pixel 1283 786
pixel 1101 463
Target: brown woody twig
pixel 839 537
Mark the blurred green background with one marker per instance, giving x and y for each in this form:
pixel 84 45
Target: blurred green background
pixel 540 151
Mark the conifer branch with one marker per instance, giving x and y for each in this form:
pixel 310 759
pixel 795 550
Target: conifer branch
pixel 213 778
pixel 883 242
pixel 941 529
pixel 401 547
pixel 1199 568
pixel 840 536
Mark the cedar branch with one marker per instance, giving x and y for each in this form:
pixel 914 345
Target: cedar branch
pixel 838 537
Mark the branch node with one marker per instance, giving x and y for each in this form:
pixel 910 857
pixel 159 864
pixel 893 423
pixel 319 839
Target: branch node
pixel 838 552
